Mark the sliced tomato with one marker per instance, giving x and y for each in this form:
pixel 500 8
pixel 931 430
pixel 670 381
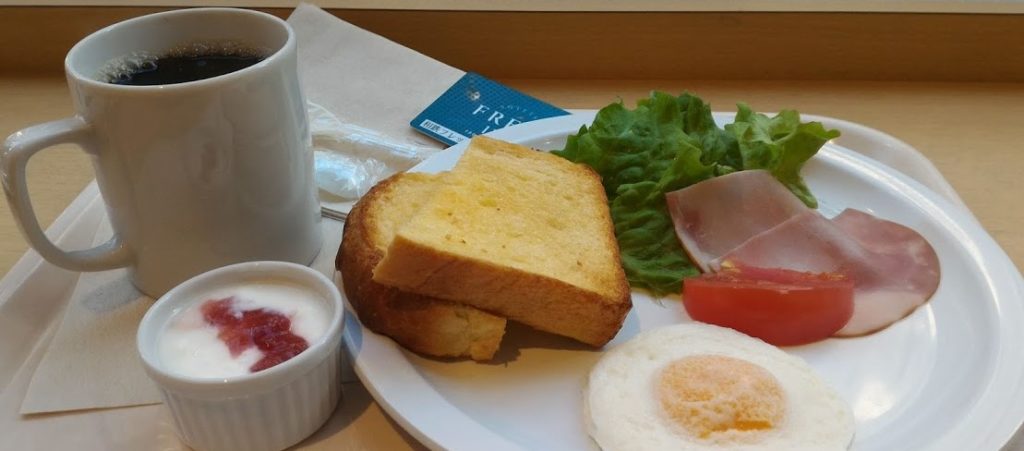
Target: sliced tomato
pixel 779 306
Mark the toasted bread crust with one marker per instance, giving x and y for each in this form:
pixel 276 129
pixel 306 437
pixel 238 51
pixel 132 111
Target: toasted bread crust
pixel 591 313
pixel 422 324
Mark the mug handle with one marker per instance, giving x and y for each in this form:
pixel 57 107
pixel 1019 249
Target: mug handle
pixel 18 148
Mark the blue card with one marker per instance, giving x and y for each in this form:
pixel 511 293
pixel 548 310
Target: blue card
pixel 475 105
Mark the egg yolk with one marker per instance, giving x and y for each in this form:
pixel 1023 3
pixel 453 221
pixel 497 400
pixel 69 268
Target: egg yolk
pixel 711 394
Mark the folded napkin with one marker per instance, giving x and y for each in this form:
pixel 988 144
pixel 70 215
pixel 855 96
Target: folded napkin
pixel 92 361
pixel 369 89
pixel 27 306
pixel 365 79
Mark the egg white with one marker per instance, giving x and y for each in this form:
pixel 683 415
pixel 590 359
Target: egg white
pixel 622 412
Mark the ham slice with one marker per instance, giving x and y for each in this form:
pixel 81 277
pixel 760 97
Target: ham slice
pixel 899 251
pixel 715 216
pixel 908 262
pixel 894 270
pixel 893 267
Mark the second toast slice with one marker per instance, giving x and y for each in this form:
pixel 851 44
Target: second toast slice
pixel 423 324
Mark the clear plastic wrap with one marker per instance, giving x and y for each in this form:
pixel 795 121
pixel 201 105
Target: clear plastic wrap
pixel 350 159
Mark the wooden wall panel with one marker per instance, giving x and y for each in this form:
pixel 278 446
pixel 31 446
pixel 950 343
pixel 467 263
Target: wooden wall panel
pixel 606 45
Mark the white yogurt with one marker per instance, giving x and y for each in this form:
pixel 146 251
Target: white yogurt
pixel 189 345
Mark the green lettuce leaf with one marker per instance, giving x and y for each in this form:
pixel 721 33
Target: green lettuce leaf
pixel 668 143
pixel 781 144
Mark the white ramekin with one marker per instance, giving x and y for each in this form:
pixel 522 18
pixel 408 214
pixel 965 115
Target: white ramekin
pixel 268 410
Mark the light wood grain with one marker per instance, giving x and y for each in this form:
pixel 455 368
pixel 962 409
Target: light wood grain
pixel 969 130
pixel 637 46
pixel 918 6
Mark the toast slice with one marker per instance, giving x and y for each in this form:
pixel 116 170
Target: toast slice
pixel 520 233
pixel 421 323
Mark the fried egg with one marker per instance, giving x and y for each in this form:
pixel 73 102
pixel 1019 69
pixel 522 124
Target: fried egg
pixel 703 387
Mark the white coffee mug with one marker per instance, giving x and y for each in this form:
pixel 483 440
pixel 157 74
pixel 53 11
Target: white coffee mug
pixel 195 175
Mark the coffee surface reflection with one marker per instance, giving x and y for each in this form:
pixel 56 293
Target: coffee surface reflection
pixel 170 70
pixel 184 63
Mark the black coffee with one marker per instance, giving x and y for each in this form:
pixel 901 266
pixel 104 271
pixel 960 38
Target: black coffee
pixel 186 62
pixel 171 69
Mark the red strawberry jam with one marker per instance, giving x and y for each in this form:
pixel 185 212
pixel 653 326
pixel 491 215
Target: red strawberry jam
pixel 267 330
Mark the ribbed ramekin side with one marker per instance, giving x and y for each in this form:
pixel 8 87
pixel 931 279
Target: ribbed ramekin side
pixel 268 421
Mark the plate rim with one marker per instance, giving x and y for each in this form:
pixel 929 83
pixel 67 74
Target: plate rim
pixel 1001 423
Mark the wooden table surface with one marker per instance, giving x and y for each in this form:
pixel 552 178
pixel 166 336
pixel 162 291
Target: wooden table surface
pixel 969 130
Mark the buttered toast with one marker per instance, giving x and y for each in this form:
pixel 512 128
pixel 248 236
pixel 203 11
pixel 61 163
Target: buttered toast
pixel 421 323
pixel 519 233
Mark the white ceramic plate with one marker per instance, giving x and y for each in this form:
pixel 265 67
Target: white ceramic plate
pixel 948 377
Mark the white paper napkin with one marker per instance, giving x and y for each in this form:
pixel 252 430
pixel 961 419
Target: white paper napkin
pixel 365 79
pixel 371 84
pixel 92 361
